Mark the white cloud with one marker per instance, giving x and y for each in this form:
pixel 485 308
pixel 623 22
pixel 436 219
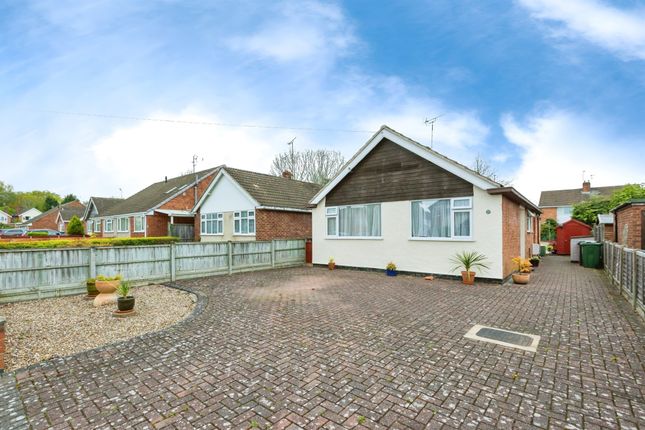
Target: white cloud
pixel 619 31
pixel 557 145
pixel 309 31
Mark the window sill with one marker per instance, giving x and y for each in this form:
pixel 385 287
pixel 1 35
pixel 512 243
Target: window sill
pixel 212 234
pixel 354 237
pixel 442 239
pixel 244 234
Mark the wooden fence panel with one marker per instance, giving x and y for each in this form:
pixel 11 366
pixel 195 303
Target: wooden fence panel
pixel 289 251
pixel 139 263
pixel 248 255
pixel 626 268
pixel 201 258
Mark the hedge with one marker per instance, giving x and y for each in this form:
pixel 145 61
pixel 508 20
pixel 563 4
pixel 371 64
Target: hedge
pixel 87 243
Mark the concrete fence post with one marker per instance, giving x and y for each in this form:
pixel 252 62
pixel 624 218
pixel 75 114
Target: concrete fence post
pixel 173 263
pixel 92 262
pixel 2 347
pixel 272 252
pixel 230 257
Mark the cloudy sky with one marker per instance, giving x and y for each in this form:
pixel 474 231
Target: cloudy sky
pixel 543 89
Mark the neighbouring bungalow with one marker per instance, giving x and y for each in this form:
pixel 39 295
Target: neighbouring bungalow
pixel 558 204
pixel 240 205
pixel 629 226
pixel 5 218
pixel 161 209
pixel 28 215
pixel 57 217
pixel 397 200
pixel 95 207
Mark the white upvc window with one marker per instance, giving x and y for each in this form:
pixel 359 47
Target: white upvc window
pixel 97 226
pixel 88 226
pixel 442 219
pixel 108 225
pixel 139 224
pixel 529 222
pixel 355 221
pixel 563 214
pixel 123 225
pixel 244 222
pixel 212 224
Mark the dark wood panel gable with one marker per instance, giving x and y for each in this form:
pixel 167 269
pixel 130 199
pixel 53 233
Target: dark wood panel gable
pixel 392 173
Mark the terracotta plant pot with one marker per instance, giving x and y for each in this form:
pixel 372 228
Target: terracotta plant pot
pixel 125 303
pixel 468 278
pixel 331 266
pixel 521 278
pixel 107 292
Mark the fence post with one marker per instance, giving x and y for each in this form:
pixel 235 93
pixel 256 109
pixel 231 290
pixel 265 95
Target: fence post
pixel 272 253
pixel 92 262
pixel 173 263
pixel 230 257
pixel 634 277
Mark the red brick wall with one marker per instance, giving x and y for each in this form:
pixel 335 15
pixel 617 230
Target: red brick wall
pixel 186 200
pixel 510 234
pixel 547 213
pixel 282 225
pixel 47 221
pixel 609 232
pixel 629 216
pixel 197 229
pixel 157 225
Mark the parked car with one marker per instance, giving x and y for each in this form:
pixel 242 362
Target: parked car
pixel 15 232
pixel 49 231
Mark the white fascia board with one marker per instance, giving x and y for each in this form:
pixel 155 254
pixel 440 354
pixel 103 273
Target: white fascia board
pixel 415 148
pixel 213 184
pixel 87 211
pixel 123 215
pixel 274 208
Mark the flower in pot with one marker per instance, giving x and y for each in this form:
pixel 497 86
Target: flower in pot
pixel 106 285
pixel 468 260
pixel 535 260
pixel 125 302
pixel 331 264
pixel 91 288
pixel 390 269
pixel 523 273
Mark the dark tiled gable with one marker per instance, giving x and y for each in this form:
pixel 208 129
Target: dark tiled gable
pixel 67 211
pixel 571 197
pixel 103 204
pixel 275 191
pixel 155 194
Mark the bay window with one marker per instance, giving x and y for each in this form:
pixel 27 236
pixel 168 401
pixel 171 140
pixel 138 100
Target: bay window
pixel 354 221
pixel 442 218
pixel 123 225
pixel 212 223
pixel 244 222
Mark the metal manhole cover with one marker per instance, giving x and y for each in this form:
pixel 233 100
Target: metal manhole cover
pixel 527 342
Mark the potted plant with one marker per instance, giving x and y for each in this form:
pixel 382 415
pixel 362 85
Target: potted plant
pixel 106 285
pixel 125 302
pixel 331 264
pixel 523 274
pixel 390 269
pixel 91 288
pixel 535 260
pixel 468 260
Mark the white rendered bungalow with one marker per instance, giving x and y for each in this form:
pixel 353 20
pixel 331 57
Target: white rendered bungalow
pixel 397 200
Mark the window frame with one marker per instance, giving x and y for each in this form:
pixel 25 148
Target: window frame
pixel 334 212
pixel 97 226
pixel 118 225
pixel 453 210
pixel 237 222
pixel 143 224
pixel 109 221
pixel 217 220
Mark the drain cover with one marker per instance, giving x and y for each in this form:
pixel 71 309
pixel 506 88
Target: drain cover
pixel 527 342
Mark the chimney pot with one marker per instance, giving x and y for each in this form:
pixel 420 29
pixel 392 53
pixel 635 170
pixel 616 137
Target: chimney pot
pixel 586 187
pixel 287 174
pixel 165 179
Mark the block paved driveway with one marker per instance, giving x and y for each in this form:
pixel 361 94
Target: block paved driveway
pixel 311 348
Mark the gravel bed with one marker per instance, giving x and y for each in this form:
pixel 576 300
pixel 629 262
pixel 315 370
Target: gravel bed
pixel 42 329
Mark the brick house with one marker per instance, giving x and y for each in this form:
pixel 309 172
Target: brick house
pixel 161 209
pixel 629 225
pixel 397 200
pixel 558 204
pixel 93 210
pixel 240 205
pixel 58 217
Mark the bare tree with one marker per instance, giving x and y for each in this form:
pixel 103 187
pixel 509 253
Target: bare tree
pixel 317 166
pixel 481 166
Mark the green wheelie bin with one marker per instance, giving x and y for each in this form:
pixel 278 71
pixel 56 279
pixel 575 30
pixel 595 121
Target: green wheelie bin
pixel 591 254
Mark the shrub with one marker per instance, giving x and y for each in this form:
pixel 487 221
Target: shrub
pixel 123 289
pixel 37 234
pixel 86 243
pixel 109 278
pixel 390 266
pixel 75 227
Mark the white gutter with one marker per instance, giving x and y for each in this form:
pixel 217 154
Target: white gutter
pixel 274 208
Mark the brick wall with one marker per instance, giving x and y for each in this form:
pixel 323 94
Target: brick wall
pixel 548 213
pixel 186 200
pixel 609 232
pixel 629 216
pixel 510 234
pixel 282 225
pixel 46 221
pixel 157 225
pixel 197 226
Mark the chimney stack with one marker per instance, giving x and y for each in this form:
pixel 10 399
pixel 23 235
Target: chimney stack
pixel 166 179
pixel 287 174
pixel 586 187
